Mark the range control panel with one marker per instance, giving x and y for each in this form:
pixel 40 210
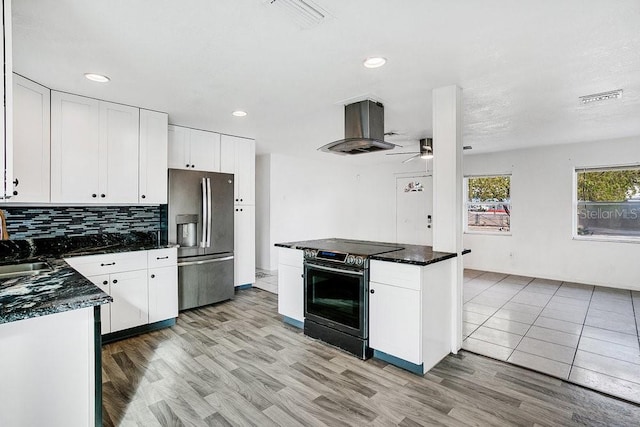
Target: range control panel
pixel 339 257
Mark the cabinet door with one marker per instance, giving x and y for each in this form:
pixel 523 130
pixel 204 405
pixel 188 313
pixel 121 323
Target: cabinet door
pixel 291 291
pixel 205 150
pixel 102 281
pixel 245 245
pixel 130 306
pixel 394 321
pixel 74 148
pixel 179 151
pixel 228 154
pixel 163 293
pixel 31 141
pixel 6 121
pixel 246 171
pixel 153 176
pixel 119 131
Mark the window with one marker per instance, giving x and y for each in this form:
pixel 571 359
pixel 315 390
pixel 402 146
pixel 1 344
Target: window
pixel 608 202
pixel 488 204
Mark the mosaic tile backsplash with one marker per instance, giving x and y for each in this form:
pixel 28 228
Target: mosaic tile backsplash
pixel 69 221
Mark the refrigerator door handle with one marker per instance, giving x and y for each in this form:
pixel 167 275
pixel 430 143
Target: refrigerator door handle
pixel 205 221
pixel 209 213
pixel 206 261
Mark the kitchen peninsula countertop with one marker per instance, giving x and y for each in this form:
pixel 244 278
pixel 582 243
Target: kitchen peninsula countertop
pixel 404 254
pixel 62 288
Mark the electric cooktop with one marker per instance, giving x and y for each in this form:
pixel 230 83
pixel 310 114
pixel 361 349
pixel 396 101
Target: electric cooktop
pixel 352 247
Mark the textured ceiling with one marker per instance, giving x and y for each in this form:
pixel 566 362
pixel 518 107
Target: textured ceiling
pixel 522 65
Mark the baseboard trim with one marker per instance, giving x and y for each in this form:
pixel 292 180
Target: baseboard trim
pixel 293 322
pixel 400 363
pixel 246 286
pixel 128 333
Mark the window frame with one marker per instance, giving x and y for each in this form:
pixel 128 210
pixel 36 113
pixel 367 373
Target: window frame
pixel 466 202
pixel 575 202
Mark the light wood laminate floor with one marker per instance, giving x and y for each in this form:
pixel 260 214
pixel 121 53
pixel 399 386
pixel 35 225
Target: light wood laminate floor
pixel 237 364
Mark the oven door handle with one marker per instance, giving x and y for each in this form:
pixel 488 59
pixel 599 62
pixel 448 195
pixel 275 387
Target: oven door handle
pixel 335 270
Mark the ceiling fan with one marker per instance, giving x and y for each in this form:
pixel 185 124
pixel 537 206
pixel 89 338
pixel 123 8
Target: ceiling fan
pixel 426 150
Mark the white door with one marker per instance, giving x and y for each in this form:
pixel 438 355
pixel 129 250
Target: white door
pixel 179 151
pixel 228 154
pixel 414 210
pixel 74 148
pixel 245 252
pixel 31 141
pixel 205 150
pixel 119 131
pixel 130 306
pixel 291 291
pixel 245 170
pixel 153 157
pixel 163 293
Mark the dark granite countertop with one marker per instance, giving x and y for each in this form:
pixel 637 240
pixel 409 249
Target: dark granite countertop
pixel 405 254
pixel 62 288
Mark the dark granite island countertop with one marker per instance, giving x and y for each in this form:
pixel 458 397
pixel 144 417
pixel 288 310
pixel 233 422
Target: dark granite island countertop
pixel 63 288
pixel 400 253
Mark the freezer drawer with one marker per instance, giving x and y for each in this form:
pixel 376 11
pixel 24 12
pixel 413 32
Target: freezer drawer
pixel 203 281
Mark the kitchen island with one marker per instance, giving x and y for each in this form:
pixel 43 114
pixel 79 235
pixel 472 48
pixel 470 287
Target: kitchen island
pixel 50 330
pixel 407 298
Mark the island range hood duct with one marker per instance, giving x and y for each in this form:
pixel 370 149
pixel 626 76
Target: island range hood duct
pixel 363 128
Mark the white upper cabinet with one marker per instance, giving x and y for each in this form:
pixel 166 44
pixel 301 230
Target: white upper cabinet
pixel 119 132
pixel 31 141
pixel 152 186
pixel 94 150
pixel 75 153
pixel 194 149
pixel 6 121
pixel 238 156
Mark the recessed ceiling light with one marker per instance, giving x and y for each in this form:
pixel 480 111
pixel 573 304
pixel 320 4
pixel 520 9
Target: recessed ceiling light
pixel 375 62
pixel 614 94
pixel 239 113
pixel 97 77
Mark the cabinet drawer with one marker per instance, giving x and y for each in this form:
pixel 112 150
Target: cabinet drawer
pixel 93 265
pixel 396 274
pixel 162 257
pixel 292 257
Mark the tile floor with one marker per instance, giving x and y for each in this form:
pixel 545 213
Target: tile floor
pixel 581 333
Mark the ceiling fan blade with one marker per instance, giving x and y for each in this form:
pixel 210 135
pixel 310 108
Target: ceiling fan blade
pixel 411 152
pixel 411 158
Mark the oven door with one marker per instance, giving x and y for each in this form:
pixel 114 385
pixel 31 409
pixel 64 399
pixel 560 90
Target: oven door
pixel 337 297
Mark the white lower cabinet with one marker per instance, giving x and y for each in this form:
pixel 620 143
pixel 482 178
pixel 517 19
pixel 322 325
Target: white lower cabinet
pixel 291 284
pixel 143 284
pixel 394 321
pixel 410 312
pixel 130 307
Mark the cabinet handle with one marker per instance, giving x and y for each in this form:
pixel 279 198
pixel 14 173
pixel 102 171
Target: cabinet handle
pixel 143 196
pixel 103 196
pixel 16 182
pixel 108 263
pixel 373 291
pixel 187 165
pixel 115 281
pixel 240 210
pixel 105 282
pixel 193 166
pixel 240 199
pixel 94 195
pixel 236 200
pixel 15 193
pixel 153 276
pixel 162 257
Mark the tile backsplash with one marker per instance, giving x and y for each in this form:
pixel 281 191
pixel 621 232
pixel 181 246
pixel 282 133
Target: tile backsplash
pixel 54 221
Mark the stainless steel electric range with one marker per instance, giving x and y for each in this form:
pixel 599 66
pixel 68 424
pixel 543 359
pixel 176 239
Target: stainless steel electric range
pixel 336 292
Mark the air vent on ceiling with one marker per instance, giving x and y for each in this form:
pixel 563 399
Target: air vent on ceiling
pixel 304 12
pixel 614 94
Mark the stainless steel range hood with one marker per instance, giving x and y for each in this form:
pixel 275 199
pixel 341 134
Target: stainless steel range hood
pixel 363 129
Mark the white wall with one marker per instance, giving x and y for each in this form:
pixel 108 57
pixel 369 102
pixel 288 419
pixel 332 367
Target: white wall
pixel 541 243
pixel 263 211
pixel 330 196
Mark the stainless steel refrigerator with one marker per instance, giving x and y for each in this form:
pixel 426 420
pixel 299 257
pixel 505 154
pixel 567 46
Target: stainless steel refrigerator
pixel 201 223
